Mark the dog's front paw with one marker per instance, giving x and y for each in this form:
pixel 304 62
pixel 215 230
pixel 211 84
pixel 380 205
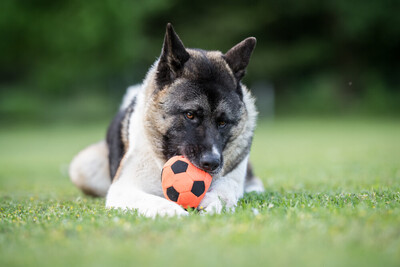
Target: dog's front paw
pixel 211 203
pixel 162 208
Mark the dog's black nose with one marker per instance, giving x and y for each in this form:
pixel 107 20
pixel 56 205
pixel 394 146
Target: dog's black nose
pixel 210 162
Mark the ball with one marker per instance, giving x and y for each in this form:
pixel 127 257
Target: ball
pixel 183 183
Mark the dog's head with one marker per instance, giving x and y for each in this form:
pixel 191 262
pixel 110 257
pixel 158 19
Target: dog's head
pixel 197 103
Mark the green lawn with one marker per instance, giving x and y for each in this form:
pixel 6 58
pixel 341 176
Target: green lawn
pixel 332 199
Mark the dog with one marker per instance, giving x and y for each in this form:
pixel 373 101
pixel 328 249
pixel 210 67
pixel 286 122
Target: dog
pixel 191 103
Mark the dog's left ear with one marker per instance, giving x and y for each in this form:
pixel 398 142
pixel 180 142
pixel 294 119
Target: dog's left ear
pixel 172 59
pixel 238 57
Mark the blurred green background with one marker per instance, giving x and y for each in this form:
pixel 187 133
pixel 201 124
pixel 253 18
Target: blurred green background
pixel 72 60
pixel 329 72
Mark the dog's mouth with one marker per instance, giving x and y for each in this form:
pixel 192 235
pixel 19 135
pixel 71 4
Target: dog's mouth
pixel 211 172
pixel 193 154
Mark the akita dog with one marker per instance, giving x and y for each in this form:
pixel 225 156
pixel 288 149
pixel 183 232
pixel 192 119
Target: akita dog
pixel 191 103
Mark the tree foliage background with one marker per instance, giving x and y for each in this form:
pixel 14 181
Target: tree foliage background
pixel 74 59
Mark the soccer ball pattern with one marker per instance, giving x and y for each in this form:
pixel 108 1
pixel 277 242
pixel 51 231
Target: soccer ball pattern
pixel 184 183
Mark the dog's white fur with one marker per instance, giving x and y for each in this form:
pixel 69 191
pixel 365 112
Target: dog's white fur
pixel 89 170
pixel 137 184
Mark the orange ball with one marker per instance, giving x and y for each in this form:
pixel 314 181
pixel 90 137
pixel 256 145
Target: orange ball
pixel 184 183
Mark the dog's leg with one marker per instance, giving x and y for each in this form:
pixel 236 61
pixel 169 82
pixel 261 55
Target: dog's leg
pixel 89 170
pixel 252 183
pixel 125 195
pixel 136 187
pixel 226 190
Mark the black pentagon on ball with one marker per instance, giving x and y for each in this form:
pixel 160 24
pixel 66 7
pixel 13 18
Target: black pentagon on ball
pixel 198 188
pixel 172 194
pixel 179 166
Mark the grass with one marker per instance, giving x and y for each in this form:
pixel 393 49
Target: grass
pixel 332 199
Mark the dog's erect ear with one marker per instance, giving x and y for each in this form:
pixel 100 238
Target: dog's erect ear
pixel 173 57
pixel 238 57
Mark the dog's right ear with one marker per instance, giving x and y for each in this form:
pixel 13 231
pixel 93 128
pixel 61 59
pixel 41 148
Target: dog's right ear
pixel 173 57
pixel 238 57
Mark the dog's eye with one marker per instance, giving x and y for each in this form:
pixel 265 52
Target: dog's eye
pixel 221 124
pixel 189 115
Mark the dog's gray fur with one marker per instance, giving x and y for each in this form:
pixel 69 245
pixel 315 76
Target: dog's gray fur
pixel 191 103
